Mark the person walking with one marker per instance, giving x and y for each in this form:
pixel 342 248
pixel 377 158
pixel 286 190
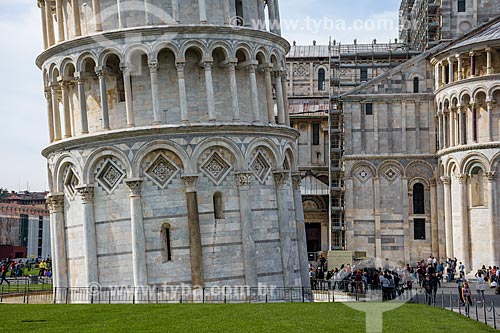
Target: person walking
pixel 4 275
pixel 480 286
pixel 427 285
pixel 466 296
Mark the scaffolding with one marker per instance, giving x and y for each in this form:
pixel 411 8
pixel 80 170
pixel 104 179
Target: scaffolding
pixel 419 23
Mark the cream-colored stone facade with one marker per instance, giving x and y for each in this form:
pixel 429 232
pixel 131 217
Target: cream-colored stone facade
pixel 171 158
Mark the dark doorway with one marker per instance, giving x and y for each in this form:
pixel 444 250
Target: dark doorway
pixel 313 236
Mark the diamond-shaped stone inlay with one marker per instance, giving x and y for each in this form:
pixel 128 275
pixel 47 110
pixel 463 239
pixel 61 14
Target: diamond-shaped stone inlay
pixel 216 168
pixel 162 171
pixel 110 176
pixel 70 183
pixel 260 168
pixel 390 174
pixel 363 175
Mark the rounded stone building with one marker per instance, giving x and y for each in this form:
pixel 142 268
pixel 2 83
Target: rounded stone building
pixel 171 159
pixel 468 135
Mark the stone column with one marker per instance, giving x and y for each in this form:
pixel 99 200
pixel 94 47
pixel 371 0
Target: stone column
pixel 104 97
pixel 96 5
pixel 277 17
pixel 76 18
pixel 83 103
pixel 301 231
pixel 60 21
pixel 55 203
pixel 279 98
pixel 50 22
pixel 244 181
pixel 452 127
pixel 285 97
pixel 57 113
pixel 406 213
pixel 450 70
pixel 489 104
pixel 281 183
pixel 196 254
pixel 41 5
pixel 492 214
pixel 489 68
pixel 269 95
pixel 66 110
pixel 129 103
pixel 448 216
pixel 50 114
pixel 203 11
pixel 254 93
pixel 436 75
pixel 272 15
pixel 443 74
pixel 445 129
pixel 86 193
pixel 182 91
pixel 440 130
pixel 472 64
pixel 234 89
pixel 459 67
pixel 139 268
pixel 175 10
pixel 463 220
pixel 153 70
pixel 434 219
pixel 209 85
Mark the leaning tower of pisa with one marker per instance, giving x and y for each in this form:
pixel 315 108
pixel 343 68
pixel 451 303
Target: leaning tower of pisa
pixel 171 159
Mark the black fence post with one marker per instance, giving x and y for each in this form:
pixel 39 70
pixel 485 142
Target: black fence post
pixel 1 294
pixel 477 316
pixel 484 311
pixel 494 315
pixel 225 300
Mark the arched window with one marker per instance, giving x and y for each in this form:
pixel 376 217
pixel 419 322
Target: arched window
pixel 321 80
pixel 461 6
pixel 238 4
pixel 166 252
pixel 477 188
pixel 218 206
pixel 416 83
pixel 418 199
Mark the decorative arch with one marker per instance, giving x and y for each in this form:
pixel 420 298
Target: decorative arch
pixel 220 45
pixel 105 54
pixel 133 49
pixel 363 170
pixel 160 145
pixel 218 142
pixel 473 159
pixel 246 49
pixel 99 154
pixel 83 57
pixel 450 165
pixel 268 145
pixel 158 48
pixel 59 169
pixel 416 169
pixel 199 48
pixel 290 153
pixel 65 66
pixel 480 89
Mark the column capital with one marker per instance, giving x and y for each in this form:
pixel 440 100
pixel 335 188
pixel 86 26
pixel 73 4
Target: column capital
pixel 446 180
pixel 86 192
pixel 458 56
pixel 134 185
pixel 490 102
pixel 244 179
pixel 280 178
pixel 100 71
pixel 462 178
pixel 55 202
pixel 126 69
pixel 190 182
pixel 153 66
pixel 208 64
pixel 472 53
pixel 180 66
pixel 491 176
pixel 296 179
pixel 433 182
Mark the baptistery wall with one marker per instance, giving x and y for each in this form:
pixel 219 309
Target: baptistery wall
pixel 467 91
pixel 171 159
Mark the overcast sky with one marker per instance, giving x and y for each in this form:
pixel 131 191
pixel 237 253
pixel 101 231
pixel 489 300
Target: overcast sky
pixel 23 115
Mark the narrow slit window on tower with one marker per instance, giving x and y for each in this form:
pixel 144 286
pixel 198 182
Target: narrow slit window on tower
pixel 461 6
pixel 315 134
pixel 321 80
pixel 218 206
pixel 416 83
pixel 238 4
pixel 167 249
pixel 418 199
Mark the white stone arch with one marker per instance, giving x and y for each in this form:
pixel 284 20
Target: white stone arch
pixel 246 49
pixel 492 90
pixel 268 145
pixel 50 179
pixel 425 168
pixel 85 56
pixel 450 165
pixel 59 168
pixel 275 60
pixel 463 93
pixel 220 45
pixel 53 73
pixel 65 65
pixel 106 53
pixel 160 145
pixel 221 142
pixel 96 156
pixel 417 180
pixel 159 47
pixel 290 152
pixel 478 90
pixel 441 169
pixel 265 52
pixel 418 75
pixel 199 47
pixel 390 163
pixel 474 159
pixel 495 161
pixel 134 49
pixel 363 164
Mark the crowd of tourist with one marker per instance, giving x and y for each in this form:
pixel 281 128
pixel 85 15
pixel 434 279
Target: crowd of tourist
pixel 15 268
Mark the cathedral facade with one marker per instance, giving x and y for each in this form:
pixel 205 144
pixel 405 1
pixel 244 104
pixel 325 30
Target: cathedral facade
pixel 171 156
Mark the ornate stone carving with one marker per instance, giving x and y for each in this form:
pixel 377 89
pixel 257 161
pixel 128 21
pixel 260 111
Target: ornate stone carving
pixel 446 180
pixel 71 182
pixel 55 202
pixel 462 178
pixel 86 192
pixel 153 66
pixel 280 178
pixel 216 168
pixel 433 182
pixel 244 179
pixel 110 176
pixel 491 176
pixel 190 183
pixel 260 167
pixel 162 171
pixel 390 174
pixel 296 180
pixel 135 186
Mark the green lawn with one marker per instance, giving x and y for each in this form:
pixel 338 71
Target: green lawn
pixel 298 317
pixel 20 287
